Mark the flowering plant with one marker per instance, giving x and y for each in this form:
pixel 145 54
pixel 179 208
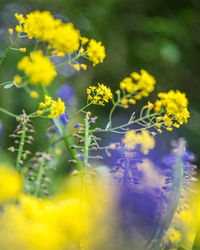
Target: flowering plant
pixel 140 201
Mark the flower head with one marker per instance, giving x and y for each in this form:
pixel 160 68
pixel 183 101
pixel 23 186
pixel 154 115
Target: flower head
pixel 175 104
pixel 96 52
pixel 38 67
pixel 56 108
pixel 99 95
pixel 140 84
pixel 144 139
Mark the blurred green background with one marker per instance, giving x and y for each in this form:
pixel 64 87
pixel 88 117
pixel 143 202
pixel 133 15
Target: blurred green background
pixel 162 37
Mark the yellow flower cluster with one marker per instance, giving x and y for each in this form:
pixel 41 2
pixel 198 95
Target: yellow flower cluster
pixel 43 26
pixel 10 183
pixel 38 67
pixel 56 108
pixel 144 139
pixel 96 52
pixel 139 84
pixel 99 95
pixel 175 104
pixel 61 222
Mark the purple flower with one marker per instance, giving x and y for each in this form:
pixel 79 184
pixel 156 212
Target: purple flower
pixel 66 93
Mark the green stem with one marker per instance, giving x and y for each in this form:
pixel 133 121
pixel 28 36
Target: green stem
pixel 80 110
pixel 110 115
pixel 196 244
pixel 86 142
pixel 69 61
pixel 66 138
pixel 8 113
pixel 39 178
pixel 6 51
pixel 127 124
pixel 21 146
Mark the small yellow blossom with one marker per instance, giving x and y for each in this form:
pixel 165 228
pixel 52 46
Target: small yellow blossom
pixel 17 79
pixel 19 29
pixel 38 67
pixel 144 139
pixel 66 38
pixel 124 101
pixel 60 54
pixel 96 52
pixel 56 108
pixel 10 31
pixel 132 101
pixel 175 104
pixel 139 84
pixel 34 94
pixel 150 105
pixel 76 67
pixel 84 66
pixel 99 95
pixel 20 18
pixel 22 49
pixel 84 40
pixel 41 25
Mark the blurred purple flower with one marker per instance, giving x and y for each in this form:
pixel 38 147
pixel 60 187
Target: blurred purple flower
pixel 66 93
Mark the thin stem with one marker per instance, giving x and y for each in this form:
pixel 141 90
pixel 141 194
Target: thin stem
pixel 86 142
pixel 110 115
pixel 39 178
pixel 21 146
pixel 127 124
pixel 9 47
pixel 80 110
pixel 196 244
pixel 69 61
pixel 66 138
pixel 8 113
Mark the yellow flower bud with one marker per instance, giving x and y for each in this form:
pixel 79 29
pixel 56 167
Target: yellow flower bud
pixel 34 94
pixel 17 79
pixel 10 31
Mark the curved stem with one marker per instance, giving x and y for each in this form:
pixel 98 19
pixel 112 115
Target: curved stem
pixel 8 113
pixel 69 61
pixel 9 47
pixel 66 138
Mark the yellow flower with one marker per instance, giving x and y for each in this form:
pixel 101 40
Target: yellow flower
pixel 175 105
pixel 56 108
pixel 76 67
pixel 66 38
pixel 84 40
pixel 144 139
pixel 96 52
pixel 40 25
pixel 43 26
pixel 34 94
pixel 20 18
pixel 10 183
pixel 17 79
pixel 22 49
pixel 139 84
pixel 19 29
pixel 10 31
pixel 100 94
pixel 84 66
pixel 38 67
